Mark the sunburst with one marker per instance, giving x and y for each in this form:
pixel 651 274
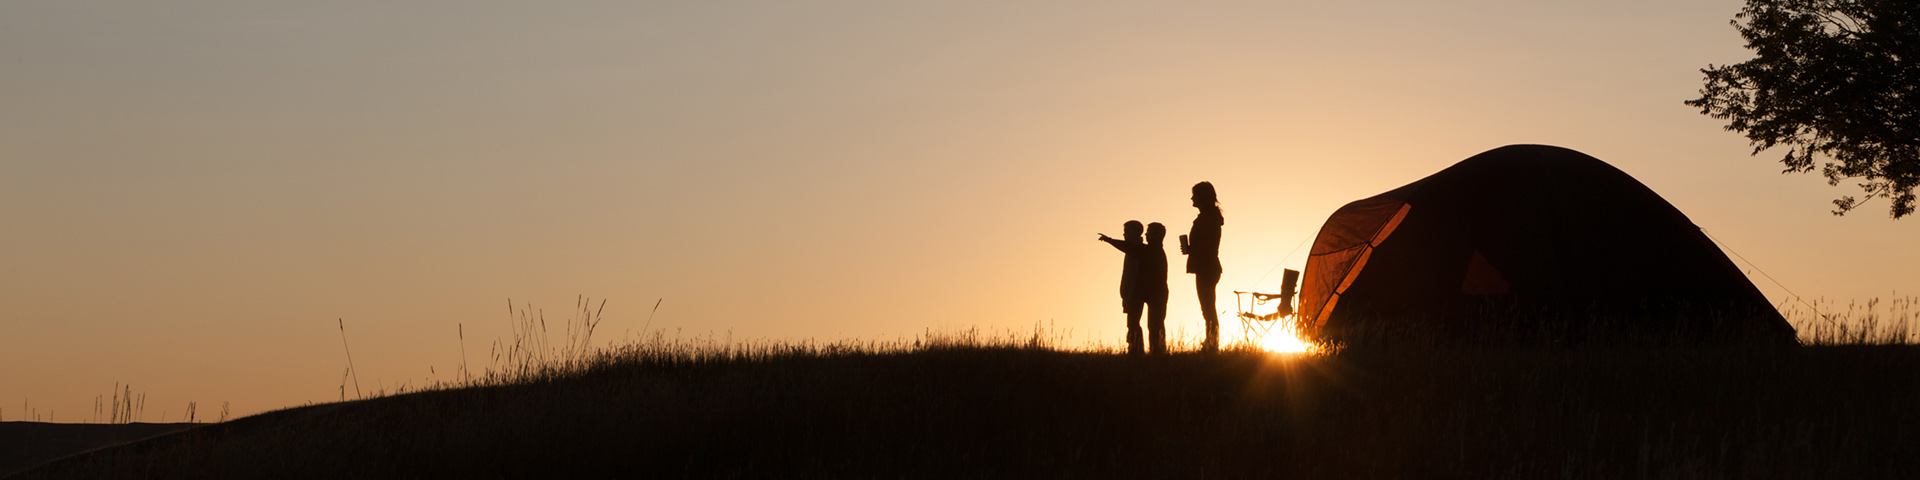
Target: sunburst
pixel 1285 339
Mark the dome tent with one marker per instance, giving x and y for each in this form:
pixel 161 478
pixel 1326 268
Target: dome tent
pixel 1526 240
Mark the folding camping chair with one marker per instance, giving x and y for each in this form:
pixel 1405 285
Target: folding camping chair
pixel 1258 325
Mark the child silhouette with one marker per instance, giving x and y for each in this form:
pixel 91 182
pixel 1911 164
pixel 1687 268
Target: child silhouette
pixel 1152 283
pixel 1132 299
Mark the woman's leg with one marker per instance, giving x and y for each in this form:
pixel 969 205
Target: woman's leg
pixel 1204 284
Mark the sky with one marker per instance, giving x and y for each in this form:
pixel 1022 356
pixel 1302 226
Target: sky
pixel 197 195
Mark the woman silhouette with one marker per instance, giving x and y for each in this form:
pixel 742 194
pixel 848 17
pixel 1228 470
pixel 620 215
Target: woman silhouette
pixel 1202 248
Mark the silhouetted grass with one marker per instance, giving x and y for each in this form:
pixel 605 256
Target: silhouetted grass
pixel 976 406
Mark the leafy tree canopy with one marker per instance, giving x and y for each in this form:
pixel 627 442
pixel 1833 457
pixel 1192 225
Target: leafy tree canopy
pixel 1830 78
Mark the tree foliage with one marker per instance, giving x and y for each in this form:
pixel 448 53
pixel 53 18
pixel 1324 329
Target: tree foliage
pixel 1830 78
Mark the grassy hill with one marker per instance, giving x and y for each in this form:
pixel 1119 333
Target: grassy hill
pixel 1008 409
pixel 26 444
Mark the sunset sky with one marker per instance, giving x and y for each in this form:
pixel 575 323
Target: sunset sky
pixel 193 192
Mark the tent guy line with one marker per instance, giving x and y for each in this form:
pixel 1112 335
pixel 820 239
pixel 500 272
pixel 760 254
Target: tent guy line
pixel 1283 260
pixel 1763 272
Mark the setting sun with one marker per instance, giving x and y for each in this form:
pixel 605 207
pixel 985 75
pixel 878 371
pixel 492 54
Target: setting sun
pixel 1285 339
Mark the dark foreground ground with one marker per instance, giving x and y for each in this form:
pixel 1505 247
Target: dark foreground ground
pixel 25 444
pixel 1809 412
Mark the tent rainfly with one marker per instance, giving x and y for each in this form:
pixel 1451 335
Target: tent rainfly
pixel 1524 239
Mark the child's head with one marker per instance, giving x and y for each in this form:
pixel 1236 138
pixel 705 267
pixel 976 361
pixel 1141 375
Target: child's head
pixel 1156 233
pixel 1133 229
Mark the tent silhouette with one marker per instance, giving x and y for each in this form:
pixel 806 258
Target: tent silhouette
pixel 1533 240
